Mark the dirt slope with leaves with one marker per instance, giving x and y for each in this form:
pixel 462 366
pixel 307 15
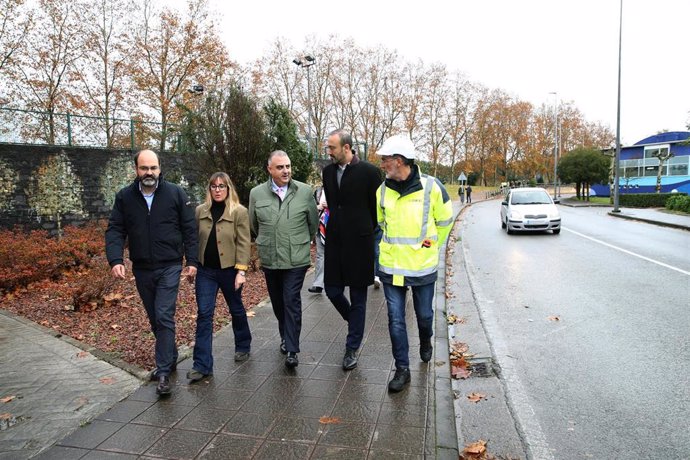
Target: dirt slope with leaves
pixel 115 321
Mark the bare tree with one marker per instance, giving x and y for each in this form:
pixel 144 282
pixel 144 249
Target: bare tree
pixel 172 53
pixel 15 23
pixel 434 107
pixel 102 72
pixel 41 70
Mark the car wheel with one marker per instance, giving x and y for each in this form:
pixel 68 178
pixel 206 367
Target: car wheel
pixel 503 224
pixel 508 230
pixel 557 231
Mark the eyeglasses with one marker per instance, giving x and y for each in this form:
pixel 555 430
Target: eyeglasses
pixel 218 187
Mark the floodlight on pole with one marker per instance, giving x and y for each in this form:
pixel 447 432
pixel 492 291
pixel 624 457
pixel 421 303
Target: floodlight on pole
pixel 306 62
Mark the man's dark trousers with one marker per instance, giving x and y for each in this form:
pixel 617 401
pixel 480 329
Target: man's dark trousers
pixel 158 291
pixel 284 288
pixel 352 311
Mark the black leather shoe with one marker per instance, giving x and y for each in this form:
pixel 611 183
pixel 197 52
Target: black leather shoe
pixel 163 387
pixel 350 359
pixel 154 372
pixel 283 350
pixel 315 290
pixel 291 360
pixel 400 379
pixel 426 350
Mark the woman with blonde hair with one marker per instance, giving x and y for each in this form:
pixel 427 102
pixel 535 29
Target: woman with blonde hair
pixel 224 248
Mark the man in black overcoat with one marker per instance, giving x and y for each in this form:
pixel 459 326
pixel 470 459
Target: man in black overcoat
pixel 350 185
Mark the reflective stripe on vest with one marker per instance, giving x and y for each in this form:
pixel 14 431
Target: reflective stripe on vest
pixel 425 216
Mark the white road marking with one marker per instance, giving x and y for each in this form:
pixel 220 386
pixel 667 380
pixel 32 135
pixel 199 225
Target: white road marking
pixel 671 267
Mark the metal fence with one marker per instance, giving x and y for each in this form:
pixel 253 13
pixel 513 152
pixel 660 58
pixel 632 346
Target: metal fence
pixel 51 128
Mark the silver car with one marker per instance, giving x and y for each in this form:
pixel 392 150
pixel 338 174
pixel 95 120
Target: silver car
pixel 530 209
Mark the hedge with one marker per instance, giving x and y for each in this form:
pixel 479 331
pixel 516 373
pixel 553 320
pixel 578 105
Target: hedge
pixel 679 202
pixel 646 200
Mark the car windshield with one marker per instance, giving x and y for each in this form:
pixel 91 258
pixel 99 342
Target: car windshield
pixel 530 197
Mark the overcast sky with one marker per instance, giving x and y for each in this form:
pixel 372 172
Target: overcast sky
pixel 528 48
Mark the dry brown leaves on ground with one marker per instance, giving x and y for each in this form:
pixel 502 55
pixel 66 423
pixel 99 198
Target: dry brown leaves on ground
pixel 117 322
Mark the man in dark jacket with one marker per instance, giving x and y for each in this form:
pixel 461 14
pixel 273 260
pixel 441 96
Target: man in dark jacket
pixel 157 220
pixel 350 186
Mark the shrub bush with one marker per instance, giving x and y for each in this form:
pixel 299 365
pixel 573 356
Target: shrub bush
pixel 678 202
pixel 645 200
pixel 26 257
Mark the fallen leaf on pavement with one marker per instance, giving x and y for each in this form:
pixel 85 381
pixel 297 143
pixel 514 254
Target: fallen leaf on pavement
pixel 251 314
pixel 554 318
pixel 7 399
pixel 475 448
pixel 459 368
pixel 5 416
pixel 329 420
pixel 107 380
pixel 82 354
pixel 476 397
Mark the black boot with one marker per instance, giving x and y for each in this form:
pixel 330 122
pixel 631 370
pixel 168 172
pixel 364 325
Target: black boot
pixel 400 379
pixel 350 359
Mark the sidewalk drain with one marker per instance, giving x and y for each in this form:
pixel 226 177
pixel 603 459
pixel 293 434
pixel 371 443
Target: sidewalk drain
pixel 481 367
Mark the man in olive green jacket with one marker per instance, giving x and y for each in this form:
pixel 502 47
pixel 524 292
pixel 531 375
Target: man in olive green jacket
pixel 283 217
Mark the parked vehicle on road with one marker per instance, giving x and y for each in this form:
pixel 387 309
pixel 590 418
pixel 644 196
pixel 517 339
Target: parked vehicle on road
pixel 530 209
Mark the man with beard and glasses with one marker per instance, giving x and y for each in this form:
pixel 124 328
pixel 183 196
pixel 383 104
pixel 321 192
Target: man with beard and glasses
pixel 157 220
pixel 416 215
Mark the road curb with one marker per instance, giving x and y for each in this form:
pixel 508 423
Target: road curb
pixel 649 221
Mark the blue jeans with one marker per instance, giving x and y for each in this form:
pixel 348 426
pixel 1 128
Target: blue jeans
pixel 284 289
pixel 208 282
pixel 422 299
pixel 352 311
pixel 158 291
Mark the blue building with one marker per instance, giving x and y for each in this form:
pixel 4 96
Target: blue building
pixel 639 167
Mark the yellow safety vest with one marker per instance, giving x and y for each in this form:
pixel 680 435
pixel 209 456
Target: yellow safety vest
pixel 414 227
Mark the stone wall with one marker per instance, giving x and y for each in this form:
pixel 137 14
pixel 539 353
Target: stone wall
pixel 49 187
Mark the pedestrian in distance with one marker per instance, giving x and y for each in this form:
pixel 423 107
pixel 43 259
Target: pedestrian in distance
pixel 416 215
pixel 468 191
pixel 320 239
pixel 283 217
pixel 155 217
pixel 461 192
pixel 350 185
pixel 224 250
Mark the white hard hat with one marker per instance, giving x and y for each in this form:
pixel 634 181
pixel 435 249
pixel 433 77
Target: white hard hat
pixel 398 145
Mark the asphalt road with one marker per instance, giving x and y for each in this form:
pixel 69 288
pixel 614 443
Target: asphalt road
pixel 591 330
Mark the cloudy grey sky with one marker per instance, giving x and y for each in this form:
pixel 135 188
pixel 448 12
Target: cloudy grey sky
pixel 529 48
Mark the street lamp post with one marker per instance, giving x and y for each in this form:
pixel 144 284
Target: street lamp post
pixel 555 145
pixel 306 62
pixel 616 162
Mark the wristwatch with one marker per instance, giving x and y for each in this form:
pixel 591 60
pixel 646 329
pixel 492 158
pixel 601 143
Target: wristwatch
pixel 241 272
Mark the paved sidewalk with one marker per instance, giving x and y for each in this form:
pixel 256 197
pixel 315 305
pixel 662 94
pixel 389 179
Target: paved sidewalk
pixel 657 216
pixel 261 410
pixel 54 387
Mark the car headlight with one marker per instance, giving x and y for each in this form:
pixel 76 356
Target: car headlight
pixel 515 215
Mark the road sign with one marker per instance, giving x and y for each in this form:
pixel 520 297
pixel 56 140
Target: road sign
pixel 462 177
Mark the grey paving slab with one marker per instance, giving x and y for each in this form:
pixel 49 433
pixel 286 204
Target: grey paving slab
pixel 57 386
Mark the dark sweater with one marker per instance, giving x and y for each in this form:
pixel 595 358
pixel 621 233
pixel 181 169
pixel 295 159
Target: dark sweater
pixel 211 257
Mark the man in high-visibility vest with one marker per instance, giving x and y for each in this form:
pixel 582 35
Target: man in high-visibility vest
pixel 416 214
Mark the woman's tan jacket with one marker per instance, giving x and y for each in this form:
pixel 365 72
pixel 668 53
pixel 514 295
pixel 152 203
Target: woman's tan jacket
pixel 232 235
